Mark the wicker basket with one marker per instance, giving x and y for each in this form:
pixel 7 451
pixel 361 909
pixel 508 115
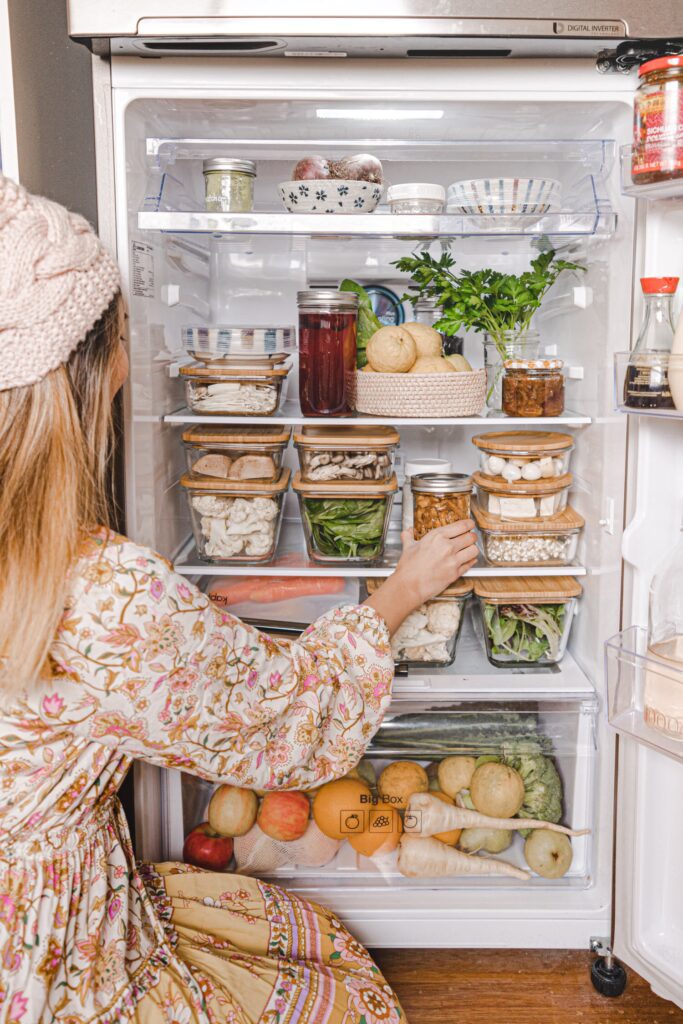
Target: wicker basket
pixel 423 395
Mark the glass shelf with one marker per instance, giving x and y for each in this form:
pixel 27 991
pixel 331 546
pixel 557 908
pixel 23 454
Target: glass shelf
pixel 292 560
pixel 672 189
pixel 409 227
pixel 645 693
pixel 291 414
pixel 663 363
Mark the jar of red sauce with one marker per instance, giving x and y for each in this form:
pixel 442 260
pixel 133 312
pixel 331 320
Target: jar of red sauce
pixel 327 351
pixel 658 122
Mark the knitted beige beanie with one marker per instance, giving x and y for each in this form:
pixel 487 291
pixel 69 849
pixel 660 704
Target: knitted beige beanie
pixel 56 281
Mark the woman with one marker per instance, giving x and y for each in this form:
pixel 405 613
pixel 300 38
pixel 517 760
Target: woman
pixel 106 655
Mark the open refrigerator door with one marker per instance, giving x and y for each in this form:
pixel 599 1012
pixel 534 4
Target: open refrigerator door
pixel 184 265
pixel 644 689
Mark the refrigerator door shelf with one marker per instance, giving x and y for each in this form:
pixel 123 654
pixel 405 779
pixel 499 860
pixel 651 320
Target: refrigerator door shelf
pixel 669 189
pixel 645 693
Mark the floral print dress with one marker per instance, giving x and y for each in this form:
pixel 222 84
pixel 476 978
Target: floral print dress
pixel 144 666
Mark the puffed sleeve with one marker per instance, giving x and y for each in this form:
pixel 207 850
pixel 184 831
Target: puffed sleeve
pixel 146 664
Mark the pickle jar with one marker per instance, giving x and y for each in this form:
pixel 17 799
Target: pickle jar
pixel 439 499
pixel 533 387
pixel 229 185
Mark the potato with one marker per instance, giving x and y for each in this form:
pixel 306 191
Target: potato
pixel 497 790
pixel 428 341
pixel 391 350
pixel 455 773
pixel 430 364
pixel 458 362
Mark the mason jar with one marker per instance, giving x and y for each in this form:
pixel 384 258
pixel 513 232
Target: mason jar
pixel 328 321
pixel 229 185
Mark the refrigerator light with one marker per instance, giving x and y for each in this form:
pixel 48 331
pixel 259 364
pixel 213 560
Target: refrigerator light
pixel 377 114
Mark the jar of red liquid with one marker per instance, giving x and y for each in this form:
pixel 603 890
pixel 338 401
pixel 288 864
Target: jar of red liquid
pixel 327 351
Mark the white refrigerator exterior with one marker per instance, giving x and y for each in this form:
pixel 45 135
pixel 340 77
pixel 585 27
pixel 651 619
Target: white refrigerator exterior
pixel 165 111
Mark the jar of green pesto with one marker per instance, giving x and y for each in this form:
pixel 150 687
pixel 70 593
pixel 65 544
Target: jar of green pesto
pixel 229 185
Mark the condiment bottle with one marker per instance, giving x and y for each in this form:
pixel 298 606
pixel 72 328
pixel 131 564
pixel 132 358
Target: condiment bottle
pixel 647 385
pixel 664 677
pixel 327 351
pixel 676 366
pixel 414 467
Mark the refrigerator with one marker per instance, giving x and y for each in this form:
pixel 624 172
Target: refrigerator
pixel 438 95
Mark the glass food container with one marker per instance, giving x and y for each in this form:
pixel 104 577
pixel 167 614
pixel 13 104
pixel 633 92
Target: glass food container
pixel 416 467
pixel 538 542
pixel 229 185
pixel 244 345
pixel 236 453
pixel 346 522
pixel 439 499
pixel 233 390
pixel 658 122
pixel 533 387
pixel 429 636
pixel 524 454
pixel 235 521
pixel 346 453
pixel 526 619
pixel 416 197
pixel 524 499
pixel 327 351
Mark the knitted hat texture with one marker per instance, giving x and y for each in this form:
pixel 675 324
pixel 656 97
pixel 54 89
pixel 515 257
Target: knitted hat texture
pixel 56 281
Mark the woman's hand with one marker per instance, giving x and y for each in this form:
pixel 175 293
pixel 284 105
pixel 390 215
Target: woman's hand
pixel 425 569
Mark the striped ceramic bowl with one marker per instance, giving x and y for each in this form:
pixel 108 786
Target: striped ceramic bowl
pixel 500 196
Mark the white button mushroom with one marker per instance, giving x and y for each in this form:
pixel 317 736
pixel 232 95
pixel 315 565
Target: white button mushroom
pixel 495 465
pixel 511 473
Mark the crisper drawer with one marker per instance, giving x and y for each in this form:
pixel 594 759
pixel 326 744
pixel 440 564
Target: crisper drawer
pixel 549 743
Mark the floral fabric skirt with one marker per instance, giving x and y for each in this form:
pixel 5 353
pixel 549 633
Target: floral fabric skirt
pixel 257 953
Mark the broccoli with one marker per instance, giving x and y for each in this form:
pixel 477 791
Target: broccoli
pixel 542 784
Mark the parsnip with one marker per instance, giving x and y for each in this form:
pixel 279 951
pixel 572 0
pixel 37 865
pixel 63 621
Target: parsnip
pixel 424 857
pixel 427 817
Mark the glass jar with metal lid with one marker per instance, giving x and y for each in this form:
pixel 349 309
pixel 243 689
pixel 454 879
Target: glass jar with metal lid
pixel 229 185
pixel 658 122
pixel 327 351
pixel 439 499
pixel 533 387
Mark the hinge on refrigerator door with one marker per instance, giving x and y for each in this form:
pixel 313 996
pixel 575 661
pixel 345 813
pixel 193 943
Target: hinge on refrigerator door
pixel 633 53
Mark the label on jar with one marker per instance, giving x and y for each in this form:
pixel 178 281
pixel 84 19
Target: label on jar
pixel 658 132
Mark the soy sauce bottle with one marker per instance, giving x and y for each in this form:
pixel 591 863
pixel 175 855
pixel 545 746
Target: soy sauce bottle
pixel 647 383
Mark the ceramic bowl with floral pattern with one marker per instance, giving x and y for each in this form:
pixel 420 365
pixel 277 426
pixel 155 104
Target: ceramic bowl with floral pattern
pixel 330 196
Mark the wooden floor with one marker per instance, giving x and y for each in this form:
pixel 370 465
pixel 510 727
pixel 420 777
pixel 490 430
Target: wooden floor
pixel 513 987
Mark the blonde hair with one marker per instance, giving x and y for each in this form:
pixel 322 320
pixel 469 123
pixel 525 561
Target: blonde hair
pixel 55 462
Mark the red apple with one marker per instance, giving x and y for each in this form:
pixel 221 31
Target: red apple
pixel 284 816
pixel 207 849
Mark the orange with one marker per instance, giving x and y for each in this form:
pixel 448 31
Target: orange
pixel 341 807
pixel 383 831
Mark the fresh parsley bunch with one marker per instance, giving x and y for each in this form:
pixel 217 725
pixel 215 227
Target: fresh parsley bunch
pixel 482 300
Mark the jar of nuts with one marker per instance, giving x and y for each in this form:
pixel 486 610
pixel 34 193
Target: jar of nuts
pixel 439 499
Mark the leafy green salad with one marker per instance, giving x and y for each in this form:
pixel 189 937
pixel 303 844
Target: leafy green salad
pixel 349 528
pixel 526 632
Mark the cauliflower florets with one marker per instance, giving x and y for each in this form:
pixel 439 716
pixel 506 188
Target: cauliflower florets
pixel 260 543
pixel 210 505
pixel 443 617
pixel 218 543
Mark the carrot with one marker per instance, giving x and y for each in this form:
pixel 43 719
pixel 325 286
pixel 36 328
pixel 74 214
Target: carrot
pixel 428 817
pixel 267 589
pixel 422 857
